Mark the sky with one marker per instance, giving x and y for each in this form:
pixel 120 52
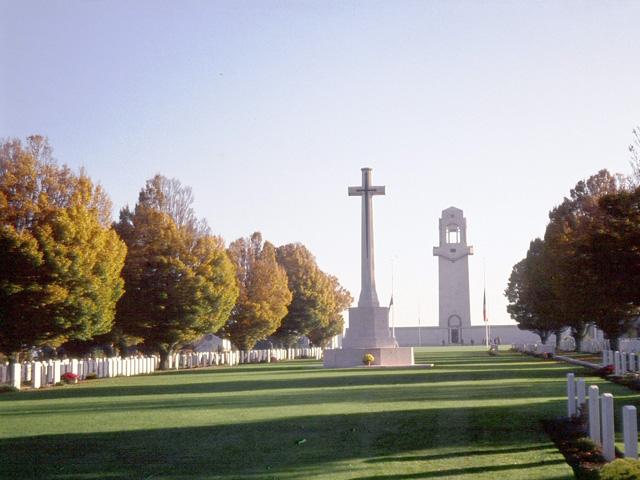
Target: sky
pixel 268 110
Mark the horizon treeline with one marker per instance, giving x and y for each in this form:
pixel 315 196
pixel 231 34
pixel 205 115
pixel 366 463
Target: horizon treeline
pixel 157 278
pixel 585 270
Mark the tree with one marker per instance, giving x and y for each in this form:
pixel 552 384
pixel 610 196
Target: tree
pixel 318 299
pixel 305 283
pixel 532 301
pixel 61 261
pixel 169 196
pixel 180 283
pixel 634 150
pixel 580 290
pixel 609 250
pixel 331 323
pixel 264 295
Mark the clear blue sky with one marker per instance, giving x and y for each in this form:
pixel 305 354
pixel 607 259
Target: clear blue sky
pixel 268 110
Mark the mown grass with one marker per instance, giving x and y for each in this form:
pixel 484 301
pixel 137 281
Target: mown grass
pixel 470 417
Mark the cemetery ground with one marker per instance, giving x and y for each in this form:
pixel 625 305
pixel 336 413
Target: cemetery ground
pixel 471 417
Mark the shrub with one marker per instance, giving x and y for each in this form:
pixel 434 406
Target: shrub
pixel 368 359
pixel 91 376
pixel 274 359
pixel 8 389
pixel 621 469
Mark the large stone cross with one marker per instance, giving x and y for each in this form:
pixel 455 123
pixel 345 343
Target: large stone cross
pixel 368 294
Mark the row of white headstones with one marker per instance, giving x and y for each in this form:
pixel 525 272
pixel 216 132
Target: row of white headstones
pixel 534 348
pixel 51 372
pixel 601 417
pixel 587 346
pixel 622 362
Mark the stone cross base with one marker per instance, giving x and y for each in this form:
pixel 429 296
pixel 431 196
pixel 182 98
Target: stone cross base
pixel 352 357
pixel 368 327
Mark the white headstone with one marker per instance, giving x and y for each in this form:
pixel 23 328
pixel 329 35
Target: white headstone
pixel 36 374
pixel 56 371
pixel 630 431
pixel 16 375
pixel 616 363
pixel 594 414
pixel 571 395
pixel 608 431
pixel 43 373
pixel 581 392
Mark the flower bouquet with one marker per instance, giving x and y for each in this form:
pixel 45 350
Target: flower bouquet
pixel 70 377
pixel 368 359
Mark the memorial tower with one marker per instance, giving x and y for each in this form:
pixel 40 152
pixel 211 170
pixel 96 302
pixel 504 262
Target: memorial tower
pixel 453 274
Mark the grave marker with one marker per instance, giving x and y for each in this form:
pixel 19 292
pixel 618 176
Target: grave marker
pixel 608 429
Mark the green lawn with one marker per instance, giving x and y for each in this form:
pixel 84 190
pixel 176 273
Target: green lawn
pixel 471 417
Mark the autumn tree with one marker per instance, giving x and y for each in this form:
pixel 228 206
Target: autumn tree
pixel 581 290
pixel 532 300
pixel 61 261
pixel 318 299
pixel 264 295
pixel 336 300
pixel 180 283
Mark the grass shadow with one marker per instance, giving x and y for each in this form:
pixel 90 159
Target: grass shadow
pixel 267 447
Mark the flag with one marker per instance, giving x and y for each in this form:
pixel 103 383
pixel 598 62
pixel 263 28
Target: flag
pixel 484 306
pixel 391 301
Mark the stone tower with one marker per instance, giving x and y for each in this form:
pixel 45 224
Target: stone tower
pixel 453 268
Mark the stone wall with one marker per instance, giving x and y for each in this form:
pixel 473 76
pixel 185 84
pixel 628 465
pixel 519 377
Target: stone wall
pixel 508 334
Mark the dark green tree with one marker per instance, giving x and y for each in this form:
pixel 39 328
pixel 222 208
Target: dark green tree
pixel 305 283
pixel 609 253
pixel 180 283
pixel 579 289
pixel 318 299
pixel 532 301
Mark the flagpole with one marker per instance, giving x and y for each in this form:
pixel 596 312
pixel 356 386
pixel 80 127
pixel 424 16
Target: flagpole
pixel 419 332
pixel 484 304
pixel 393 313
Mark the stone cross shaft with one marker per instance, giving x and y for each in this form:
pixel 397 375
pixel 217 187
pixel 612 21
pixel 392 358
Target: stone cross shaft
pixel 368 295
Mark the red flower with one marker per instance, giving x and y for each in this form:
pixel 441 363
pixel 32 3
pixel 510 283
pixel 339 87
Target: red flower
pixel 607 370
pixel 70 376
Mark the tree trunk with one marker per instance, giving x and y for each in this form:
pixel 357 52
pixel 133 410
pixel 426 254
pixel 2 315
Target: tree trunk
pixel 164 359
pixel 558 334
pixel 614 342
pixel 544 336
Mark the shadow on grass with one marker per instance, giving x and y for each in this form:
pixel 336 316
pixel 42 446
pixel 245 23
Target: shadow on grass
pixel 464 471
pixel 458 454
pixel 286 398
pixel 211 381
pixel 272 449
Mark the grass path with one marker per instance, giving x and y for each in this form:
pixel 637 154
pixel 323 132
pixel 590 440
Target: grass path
pixel 471 417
